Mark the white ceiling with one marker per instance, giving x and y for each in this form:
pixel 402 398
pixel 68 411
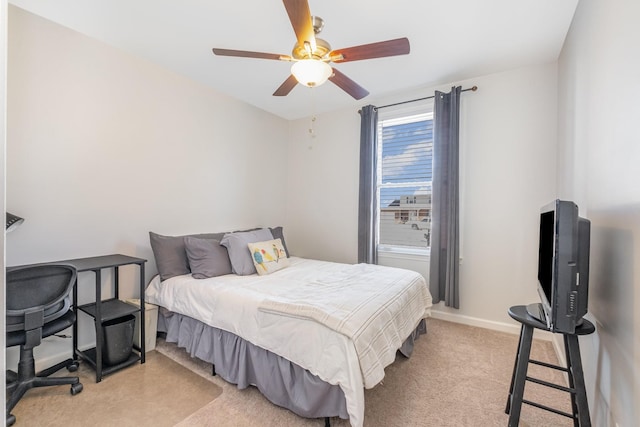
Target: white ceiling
pixel 451 40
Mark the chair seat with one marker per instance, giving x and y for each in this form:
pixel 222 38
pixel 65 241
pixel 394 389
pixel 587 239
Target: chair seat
pixel 60 324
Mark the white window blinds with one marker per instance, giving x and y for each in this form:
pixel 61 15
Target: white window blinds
pixel 404 181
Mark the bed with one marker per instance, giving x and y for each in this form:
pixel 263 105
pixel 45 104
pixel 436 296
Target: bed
pixel 311 337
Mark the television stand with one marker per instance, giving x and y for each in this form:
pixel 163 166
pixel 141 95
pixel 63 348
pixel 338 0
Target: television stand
pixel 579 404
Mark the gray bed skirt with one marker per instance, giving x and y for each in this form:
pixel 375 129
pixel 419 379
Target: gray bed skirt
pixel 240 362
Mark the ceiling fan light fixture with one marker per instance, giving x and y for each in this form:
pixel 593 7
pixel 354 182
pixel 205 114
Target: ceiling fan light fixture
pixel 311 72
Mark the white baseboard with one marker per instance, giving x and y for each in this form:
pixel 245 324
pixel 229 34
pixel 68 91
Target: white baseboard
pixel 511 328
pixel 44 362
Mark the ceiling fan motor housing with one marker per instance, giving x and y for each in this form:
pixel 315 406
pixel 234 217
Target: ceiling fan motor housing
pixel 302 52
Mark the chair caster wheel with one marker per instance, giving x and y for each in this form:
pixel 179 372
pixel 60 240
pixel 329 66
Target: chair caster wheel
pixel 11 420
pixel 73 367
pixel 76 388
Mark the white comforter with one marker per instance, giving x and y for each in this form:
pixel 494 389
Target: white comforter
pixel 341 322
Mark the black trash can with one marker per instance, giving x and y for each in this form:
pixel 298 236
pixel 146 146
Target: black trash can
pixel 118 339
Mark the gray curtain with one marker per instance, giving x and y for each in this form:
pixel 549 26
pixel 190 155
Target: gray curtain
pixel 368 203
pixel 445 229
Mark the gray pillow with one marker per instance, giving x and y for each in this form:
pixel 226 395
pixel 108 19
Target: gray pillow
pixel 207 258
pixel 239 254
pixel 170 255
pixel 278 234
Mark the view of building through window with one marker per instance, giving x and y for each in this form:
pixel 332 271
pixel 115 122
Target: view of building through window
pixel 404 181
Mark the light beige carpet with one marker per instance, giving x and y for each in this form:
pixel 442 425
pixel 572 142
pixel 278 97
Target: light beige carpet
pixel 159 393
pixel 458 376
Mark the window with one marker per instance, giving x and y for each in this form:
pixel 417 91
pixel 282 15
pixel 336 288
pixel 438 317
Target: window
pixel 404 182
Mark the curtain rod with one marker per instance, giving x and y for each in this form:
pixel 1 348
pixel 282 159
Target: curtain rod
pixel 474 88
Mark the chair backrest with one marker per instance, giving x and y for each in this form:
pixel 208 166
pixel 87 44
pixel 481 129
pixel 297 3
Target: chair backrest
pixel 37 294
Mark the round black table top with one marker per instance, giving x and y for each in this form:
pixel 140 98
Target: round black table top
pixel 519 313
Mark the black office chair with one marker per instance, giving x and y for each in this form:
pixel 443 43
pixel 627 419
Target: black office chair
pixel 38 304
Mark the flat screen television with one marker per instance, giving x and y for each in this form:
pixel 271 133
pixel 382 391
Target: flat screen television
pixel 563 267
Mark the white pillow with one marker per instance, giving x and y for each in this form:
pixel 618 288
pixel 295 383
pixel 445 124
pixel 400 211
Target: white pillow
pixel 268 256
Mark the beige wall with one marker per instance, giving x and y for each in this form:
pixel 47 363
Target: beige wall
pixel 599 152
pixel 508 149
pixel 322 185
pixel 103 147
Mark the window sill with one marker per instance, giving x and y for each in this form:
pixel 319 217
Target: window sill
pixel 403 253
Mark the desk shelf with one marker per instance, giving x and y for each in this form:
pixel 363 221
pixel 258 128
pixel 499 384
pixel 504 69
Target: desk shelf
pixel 104 310
pixel 90 357
pixel 110 309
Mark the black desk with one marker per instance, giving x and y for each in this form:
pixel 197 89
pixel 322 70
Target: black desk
pixel 574 372
pixel 105 310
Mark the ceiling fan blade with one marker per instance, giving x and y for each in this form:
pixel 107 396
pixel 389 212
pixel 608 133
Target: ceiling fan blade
pixel 372 50
pixel 248 54
pixel 286 87
pixel 348 85
pixel 300 17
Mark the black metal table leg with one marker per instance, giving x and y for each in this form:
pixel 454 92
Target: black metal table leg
pixel 576 378
pixel 513 375
pixel 522 363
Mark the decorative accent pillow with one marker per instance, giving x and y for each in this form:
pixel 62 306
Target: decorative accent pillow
pixel 279 234
pixel 207 258
pixel 268 256
pixel 239 255
pixel 170 254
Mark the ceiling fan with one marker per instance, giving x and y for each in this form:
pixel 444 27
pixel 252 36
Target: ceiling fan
pixel 311 55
